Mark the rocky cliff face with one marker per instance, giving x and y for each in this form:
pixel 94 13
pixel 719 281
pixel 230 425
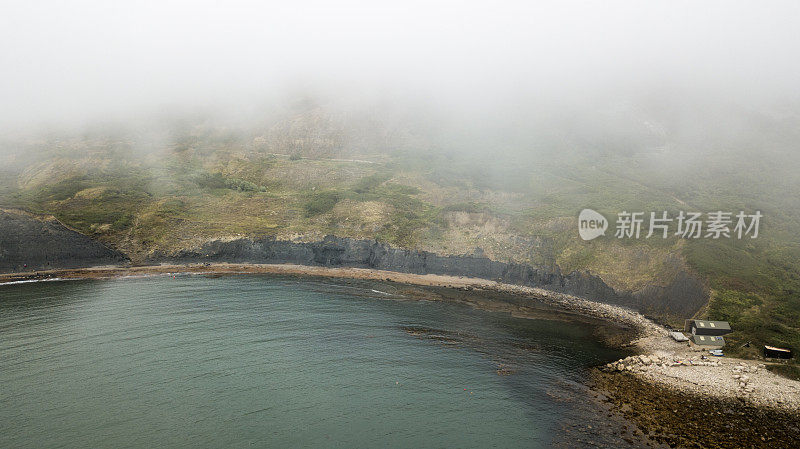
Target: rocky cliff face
pixel 29 243
pixel 684 296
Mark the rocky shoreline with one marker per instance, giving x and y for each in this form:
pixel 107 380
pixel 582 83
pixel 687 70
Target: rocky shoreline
pixel 679 396
pixel 683 418
pixel 687 368
pixel 682 296
pixel 621 315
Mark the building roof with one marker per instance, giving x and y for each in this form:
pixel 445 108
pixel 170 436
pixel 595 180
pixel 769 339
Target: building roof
pixel 704 324
pixel 678 336
pixel 708 340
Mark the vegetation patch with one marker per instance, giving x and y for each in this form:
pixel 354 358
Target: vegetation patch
pixel 321 202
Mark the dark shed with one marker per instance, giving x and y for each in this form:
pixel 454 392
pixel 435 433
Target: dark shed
pixel 777 353
pixel 704 327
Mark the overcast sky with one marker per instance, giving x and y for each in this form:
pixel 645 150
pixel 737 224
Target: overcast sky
pixel 81 60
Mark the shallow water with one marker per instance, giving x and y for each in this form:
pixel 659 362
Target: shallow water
pixel 268 361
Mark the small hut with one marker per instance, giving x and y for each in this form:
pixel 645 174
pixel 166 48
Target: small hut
pixel 711 341
pixel 706 327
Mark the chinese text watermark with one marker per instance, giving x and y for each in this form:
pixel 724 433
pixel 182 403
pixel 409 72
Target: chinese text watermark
pixel 687 225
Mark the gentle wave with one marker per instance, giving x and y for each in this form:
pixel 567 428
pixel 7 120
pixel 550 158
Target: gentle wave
pixel 30 281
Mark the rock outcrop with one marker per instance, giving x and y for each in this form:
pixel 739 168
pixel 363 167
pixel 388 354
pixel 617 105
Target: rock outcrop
pixel 29 243
pixel 642 362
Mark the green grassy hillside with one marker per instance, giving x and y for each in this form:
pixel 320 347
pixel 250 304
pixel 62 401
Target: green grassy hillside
pixel 313 178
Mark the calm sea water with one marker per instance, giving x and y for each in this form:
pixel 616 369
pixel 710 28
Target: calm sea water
pixel 278 362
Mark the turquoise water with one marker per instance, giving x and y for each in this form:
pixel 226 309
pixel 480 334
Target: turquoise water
pixel 262 361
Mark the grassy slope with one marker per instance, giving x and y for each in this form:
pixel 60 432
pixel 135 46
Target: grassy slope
pixel 209 188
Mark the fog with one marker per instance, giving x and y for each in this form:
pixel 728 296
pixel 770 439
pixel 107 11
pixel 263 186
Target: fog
pixel 78 61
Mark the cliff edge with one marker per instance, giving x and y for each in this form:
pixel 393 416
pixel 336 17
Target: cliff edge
pixel 29 243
